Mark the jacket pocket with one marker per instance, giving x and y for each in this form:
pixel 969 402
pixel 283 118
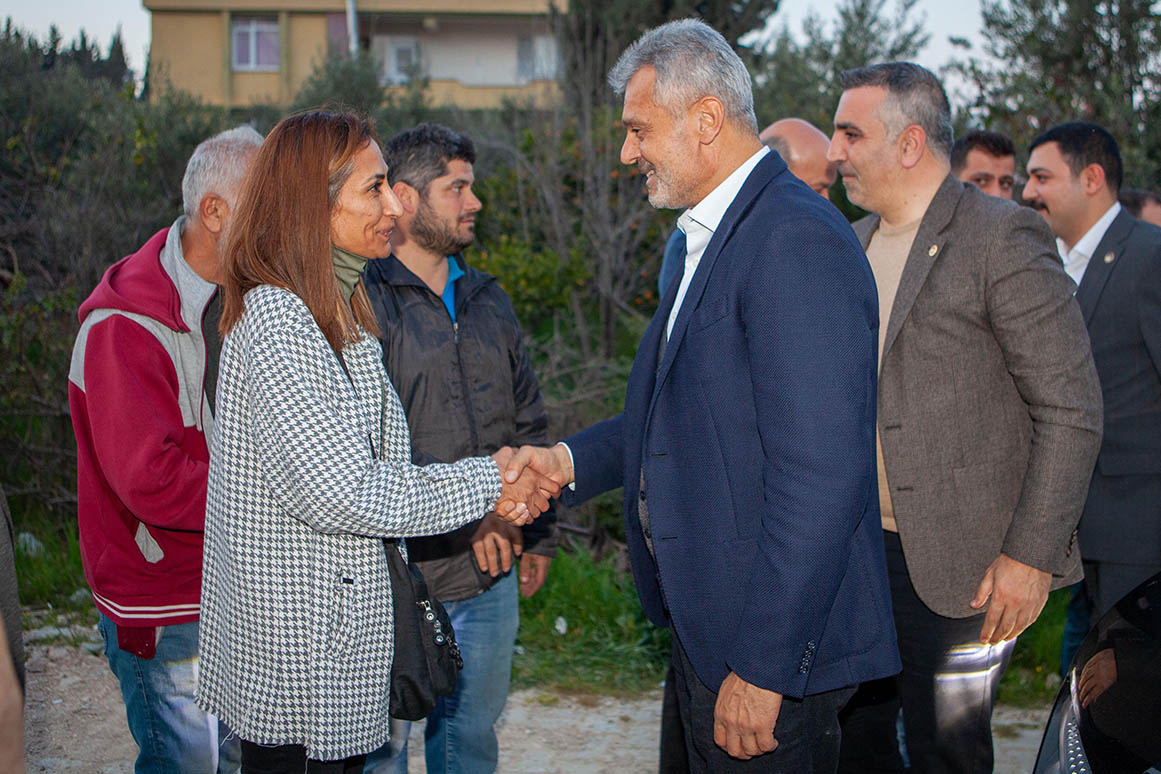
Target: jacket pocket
pixel 341 612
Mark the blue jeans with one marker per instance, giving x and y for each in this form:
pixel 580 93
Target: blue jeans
pixel 174 735
pixel 460 734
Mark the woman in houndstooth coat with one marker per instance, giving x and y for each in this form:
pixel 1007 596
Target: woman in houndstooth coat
pixel 311 461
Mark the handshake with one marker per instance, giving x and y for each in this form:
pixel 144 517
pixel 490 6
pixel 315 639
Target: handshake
pixel 532 476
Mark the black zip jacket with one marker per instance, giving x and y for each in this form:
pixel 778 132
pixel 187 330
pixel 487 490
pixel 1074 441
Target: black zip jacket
pixel 468 388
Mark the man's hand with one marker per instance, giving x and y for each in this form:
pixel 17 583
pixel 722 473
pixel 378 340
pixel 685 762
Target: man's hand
pixel 494 543
pixel 533 571
pixel 1098 674
pixel 1018 592
pixel 554 462
pixel 524 496
pixel 744 718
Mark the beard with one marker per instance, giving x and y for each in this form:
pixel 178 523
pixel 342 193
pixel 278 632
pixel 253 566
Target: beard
pixel 434 234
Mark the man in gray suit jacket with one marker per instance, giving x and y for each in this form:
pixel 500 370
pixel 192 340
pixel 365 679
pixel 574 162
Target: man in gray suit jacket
pixel 1074 176
pixel 989 410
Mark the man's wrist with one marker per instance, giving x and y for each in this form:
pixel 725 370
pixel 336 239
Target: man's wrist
pixel 564 460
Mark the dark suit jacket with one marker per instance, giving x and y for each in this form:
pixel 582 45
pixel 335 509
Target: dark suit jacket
pixel 989 404
pixel 1120 297
pixel 755 432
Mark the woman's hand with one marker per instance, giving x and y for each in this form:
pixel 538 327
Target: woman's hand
pixel 526 498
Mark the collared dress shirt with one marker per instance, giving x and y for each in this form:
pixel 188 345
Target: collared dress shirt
pixel 1076 260
pixel 698 224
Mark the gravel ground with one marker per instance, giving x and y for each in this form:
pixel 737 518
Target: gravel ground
pixel 75 722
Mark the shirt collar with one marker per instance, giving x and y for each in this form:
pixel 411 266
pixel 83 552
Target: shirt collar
pixel 708 213
pixel 1088 243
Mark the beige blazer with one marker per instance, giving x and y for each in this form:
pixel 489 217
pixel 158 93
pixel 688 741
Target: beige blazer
pixel 989 404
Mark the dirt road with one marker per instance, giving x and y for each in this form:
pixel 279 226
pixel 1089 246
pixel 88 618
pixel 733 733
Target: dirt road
pixel 75 722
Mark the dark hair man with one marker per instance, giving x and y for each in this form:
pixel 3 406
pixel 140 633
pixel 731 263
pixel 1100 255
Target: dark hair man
pixel 745 448
pixel 1074 173
pixel 1142 205
pixel 455 352
pixel 987 159
pixel 982 352
pixel 141 394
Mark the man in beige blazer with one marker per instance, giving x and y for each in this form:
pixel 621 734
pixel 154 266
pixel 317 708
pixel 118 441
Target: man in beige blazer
pixel 989 415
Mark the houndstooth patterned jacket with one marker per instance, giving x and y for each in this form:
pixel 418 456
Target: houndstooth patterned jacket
pixel 308 470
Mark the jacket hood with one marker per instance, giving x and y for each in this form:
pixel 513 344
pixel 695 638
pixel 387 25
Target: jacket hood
pixel 139 284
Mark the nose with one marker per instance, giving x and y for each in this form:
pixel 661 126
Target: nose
pixel 834 151
pixel 391 204
pixel 630 151
pixel 473 203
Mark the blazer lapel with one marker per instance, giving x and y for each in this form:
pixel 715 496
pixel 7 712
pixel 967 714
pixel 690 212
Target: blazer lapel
pixel 769 166
pixel 929 244
pixel 1101 264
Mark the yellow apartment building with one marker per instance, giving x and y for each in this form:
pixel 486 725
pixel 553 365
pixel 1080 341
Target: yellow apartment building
pixel 475 53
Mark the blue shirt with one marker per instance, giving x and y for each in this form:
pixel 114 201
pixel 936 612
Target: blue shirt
pixel 454 272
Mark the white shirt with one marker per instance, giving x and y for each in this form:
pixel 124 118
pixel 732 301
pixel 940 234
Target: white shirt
pixel 1076 260
pixel 698 224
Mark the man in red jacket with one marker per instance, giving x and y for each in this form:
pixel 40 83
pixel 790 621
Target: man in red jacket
pixel 141 394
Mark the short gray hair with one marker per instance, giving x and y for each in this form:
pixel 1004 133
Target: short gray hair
pixel 914 97
pixel 692 60
pixel 217 166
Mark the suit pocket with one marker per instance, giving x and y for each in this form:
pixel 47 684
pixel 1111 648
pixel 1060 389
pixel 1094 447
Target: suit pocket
pixel 708 313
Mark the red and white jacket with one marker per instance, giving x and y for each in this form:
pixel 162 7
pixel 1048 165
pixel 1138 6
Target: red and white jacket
pixel 143 427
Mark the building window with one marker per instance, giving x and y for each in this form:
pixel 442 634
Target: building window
pixel 399 57
pixel 536 58
pixel 255 40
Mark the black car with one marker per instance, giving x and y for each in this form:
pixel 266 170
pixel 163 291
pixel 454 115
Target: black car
pixel 1107 716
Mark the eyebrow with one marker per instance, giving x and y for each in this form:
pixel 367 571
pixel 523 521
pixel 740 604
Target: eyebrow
pixel 844 125
pixel 376 177
pixel 1039 171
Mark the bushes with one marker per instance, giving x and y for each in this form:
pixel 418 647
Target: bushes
pixel 585 631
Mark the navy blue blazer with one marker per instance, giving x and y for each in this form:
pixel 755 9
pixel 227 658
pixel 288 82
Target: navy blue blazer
pixel 757 436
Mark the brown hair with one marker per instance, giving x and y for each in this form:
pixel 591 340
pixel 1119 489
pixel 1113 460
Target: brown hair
pixel 281 232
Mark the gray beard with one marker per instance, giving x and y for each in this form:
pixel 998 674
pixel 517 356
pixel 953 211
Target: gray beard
pixel 432 234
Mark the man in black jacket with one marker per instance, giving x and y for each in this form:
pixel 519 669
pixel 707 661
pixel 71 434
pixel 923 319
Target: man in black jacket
pixel 455 352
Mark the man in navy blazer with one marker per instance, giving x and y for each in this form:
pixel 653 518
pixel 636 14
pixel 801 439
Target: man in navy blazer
pixel 746 448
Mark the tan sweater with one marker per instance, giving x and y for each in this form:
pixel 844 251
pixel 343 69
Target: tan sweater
pixel 887 254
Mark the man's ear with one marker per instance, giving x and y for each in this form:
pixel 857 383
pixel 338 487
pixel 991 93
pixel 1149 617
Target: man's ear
pixel 213 212
pixel 711 117
pixel 1093 179
pixel 912 143
pixel 407 195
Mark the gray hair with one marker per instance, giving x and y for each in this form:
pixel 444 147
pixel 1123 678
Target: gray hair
pixel 914 97
pixel 217 166
pixel 692 60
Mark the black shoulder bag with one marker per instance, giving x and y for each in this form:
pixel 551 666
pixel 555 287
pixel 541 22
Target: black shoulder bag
pixel 427 661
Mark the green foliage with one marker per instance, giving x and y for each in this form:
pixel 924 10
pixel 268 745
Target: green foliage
pixel 536 280
pixel 51 579
pixel 1051 61
pixel 38 454
pixel 345 82
pixel 1031 677
pixel 608 645
pixel 799 75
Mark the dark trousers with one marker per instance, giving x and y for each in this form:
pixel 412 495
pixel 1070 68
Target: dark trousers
pixel 947 688
pixel 1106 582
pixel 291 759
pixel 807 729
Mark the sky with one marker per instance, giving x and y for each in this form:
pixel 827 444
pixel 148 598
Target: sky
pixel 100 18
